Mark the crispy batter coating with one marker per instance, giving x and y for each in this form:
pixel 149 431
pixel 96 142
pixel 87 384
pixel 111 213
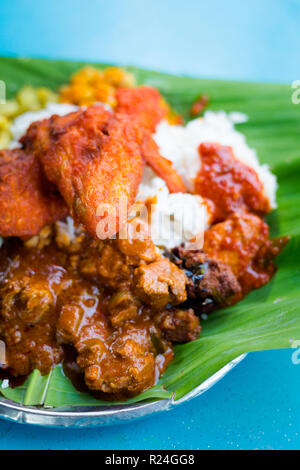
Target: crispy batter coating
pixel 146 106
pixel 144 103
pixel 228 183
pixel 93 158
pixel 27 201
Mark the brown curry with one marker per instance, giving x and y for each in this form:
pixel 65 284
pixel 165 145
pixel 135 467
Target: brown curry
pixel 119 304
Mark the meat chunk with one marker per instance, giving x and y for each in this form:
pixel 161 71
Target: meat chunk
pixel 179 326
pixel 211 282
pixel 130 367
pixel 29 292
pixel 123 306
pixel 27 201
pixel 126 362
pixel 76 311
pixel 23 359
pixel 105 264
pixel 120 351
pixel 112 262
pixel 137 244
pixel 160 283
pixel 28 298
pixel 242 243
pixel 229 184
pixel 94 159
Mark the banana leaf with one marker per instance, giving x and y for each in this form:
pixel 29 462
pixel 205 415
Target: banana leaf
pixel 269 318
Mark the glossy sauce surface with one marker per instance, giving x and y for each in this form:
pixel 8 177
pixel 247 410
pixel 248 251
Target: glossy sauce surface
pixel 228 184
pixel 52 297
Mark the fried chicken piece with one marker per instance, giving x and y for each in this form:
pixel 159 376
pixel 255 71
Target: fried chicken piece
pixel 144 103
pixel 92 156
pixel 146 106
pixel 27 201
pixel 242 242
pixel 228 183
pixel 179 326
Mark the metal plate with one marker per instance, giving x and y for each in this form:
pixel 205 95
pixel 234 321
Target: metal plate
pixel 80 417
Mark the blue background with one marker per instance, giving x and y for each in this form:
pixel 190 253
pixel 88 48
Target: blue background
pixel 257 406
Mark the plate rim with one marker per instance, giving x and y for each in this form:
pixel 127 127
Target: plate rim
pixel 94 416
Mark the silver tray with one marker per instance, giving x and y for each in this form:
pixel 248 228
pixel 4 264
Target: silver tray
pixel 83 416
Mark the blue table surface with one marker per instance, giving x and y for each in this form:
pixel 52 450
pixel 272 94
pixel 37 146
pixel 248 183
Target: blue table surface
pixel 257 406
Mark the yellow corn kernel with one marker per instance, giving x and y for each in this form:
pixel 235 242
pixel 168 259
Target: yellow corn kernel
pixel 5 135
pixel 118 77
pixel 45 96
pixel 90 85
pixel 9 109
pixel 28 99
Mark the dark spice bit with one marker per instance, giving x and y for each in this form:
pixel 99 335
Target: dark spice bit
pixel 211 283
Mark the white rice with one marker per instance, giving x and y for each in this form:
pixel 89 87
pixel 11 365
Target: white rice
pixel 180 145
pixel 175 217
